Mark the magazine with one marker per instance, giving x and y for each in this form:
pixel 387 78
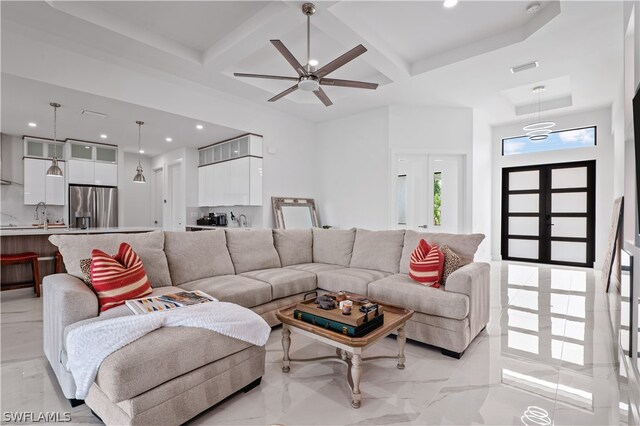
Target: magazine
pixel 168 301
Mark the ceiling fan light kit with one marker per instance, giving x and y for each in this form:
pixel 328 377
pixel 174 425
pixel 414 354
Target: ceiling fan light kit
pixel 310 78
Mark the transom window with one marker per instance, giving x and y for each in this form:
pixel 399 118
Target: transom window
pixel 563 139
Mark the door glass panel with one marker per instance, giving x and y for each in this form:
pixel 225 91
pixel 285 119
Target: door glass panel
pixel 437 198
pixel 106 154
pixel 35 149
pixel 523 225
pixel 244 146
pixel 569 202
pixel 569 227
pixel 575 177
pixel 234 148
pixel 566 251
pixel 527 249
pixel 524 203
pixel 524 180
pixel 81 151
pixel 402 199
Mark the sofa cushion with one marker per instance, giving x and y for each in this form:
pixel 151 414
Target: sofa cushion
pixel 195 255
pixel 333 246
pixel 252 249
pixel 352 280
pixel 452 263
pixel 426 264
pixel 162 355
pixel 284 282
pixel 400 290
pixel 464 245
pixel 236 289
pixel 294 246
pixel 315 267
pixel 379 250
pixel 148 245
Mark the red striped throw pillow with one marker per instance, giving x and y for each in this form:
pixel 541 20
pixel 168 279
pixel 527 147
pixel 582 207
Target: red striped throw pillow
pixel 426 264
pixel 118 278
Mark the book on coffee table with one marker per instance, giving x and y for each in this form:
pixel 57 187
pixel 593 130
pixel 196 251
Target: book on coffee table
pixel 168 301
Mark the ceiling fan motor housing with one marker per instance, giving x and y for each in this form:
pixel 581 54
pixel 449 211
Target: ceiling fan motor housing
pixel 308 83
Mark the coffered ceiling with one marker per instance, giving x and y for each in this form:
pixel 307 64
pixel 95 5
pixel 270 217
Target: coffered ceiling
pixel 418 51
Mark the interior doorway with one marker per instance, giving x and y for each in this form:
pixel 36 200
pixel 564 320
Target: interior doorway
pixel 175 198
pixel 430 193
pixel 548 213
pixel 158 196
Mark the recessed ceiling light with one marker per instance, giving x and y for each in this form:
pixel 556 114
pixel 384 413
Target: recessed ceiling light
pixel 533 8
pixel 32 124
pixel 313 62
pixel 450 3
pixel 141 151
pixel 169 140
pixel 103 136
pixel 199 126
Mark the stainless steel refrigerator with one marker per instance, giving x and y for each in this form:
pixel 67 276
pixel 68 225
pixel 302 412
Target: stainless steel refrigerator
pixel 93 206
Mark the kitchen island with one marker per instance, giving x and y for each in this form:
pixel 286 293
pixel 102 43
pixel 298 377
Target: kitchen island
pixel 16 239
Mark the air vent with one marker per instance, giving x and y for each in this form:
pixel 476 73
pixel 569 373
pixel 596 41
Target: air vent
pixel 524 67
pixel 93 113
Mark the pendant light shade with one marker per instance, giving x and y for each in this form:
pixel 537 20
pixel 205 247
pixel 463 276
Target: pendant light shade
pixel 139 177
pixel 539 130
pixel 55 170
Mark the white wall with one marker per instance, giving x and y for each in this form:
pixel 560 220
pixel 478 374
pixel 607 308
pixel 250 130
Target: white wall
pixel 353 160
pixel 290 171
pixel 12 208
pixel 603 154
pixel 134 198
pixel 482 194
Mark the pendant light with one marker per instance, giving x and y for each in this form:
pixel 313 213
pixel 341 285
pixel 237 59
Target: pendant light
pixel 139 177
pixel 539 130
pixel 55 170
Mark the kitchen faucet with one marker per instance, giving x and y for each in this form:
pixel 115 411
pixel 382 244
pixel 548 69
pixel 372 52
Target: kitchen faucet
pixel 37 217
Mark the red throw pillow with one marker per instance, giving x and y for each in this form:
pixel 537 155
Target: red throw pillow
pixel 426 264
pixel 118 278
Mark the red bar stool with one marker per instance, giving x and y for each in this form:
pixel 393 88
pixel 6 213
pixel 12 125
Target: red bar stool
pixel 19 258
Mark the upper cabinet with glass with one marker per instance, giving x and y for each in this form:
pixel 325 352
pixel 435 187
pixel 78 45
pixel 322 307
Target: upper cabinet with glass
pixel 43 148
pixel 243 146
pixel 79 150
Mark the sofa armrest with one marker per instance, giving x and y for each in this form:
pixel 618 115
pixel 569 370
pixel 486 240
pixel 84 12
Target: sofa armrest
pixel 65 300
pixel 474 281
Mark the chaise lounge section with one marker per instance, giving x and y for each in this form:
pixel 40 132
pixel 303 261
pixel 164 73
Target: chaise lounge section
pixel 264 270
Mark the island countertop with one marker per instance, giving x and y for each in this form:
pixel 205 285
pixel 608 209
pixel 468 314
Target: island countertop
pixel 25 231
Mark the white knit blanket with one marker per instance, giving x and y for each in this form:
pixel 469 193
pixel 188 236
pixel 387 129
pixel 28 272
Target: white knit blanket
pixel 89 344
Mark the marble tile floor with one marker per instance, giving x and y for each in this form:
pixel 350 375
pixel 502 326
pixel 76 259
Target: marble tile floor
pixel 548 356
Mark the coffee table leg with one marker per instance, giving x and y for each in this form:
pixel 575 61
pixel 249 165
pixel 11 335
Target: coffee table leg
pixel 286 344
pixel 356 374
pixel 402 339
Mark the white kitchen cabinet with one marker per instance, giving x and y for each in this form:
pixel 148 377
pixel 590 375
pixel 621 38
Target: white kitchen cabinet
pixel 106 174
pixel 40 187
pixel 205 186
pixel 221 181
pixel 81 172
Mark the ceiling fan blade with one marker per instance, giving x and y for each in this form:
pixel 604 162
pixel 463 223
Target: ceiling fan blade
pixel 285 93
pixel 340 61
pixel 270 77
pixel 323 97
pixel 289 57
pixel 348 83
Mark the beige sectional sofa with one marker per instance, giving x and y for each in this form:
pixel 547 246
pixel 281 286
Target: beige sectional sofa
pixel 175 373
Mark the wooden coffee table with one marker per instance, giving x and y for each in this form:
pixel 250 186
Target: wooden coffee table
pixel 348 349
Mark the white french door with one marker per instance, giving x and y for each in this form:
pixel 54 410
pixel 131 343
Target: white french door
pixel 430 193
pixel 548 213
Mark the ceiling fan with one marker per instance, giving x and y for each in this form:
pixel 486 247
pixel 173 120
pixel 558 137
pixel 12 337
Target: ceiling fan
pixel 310 78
